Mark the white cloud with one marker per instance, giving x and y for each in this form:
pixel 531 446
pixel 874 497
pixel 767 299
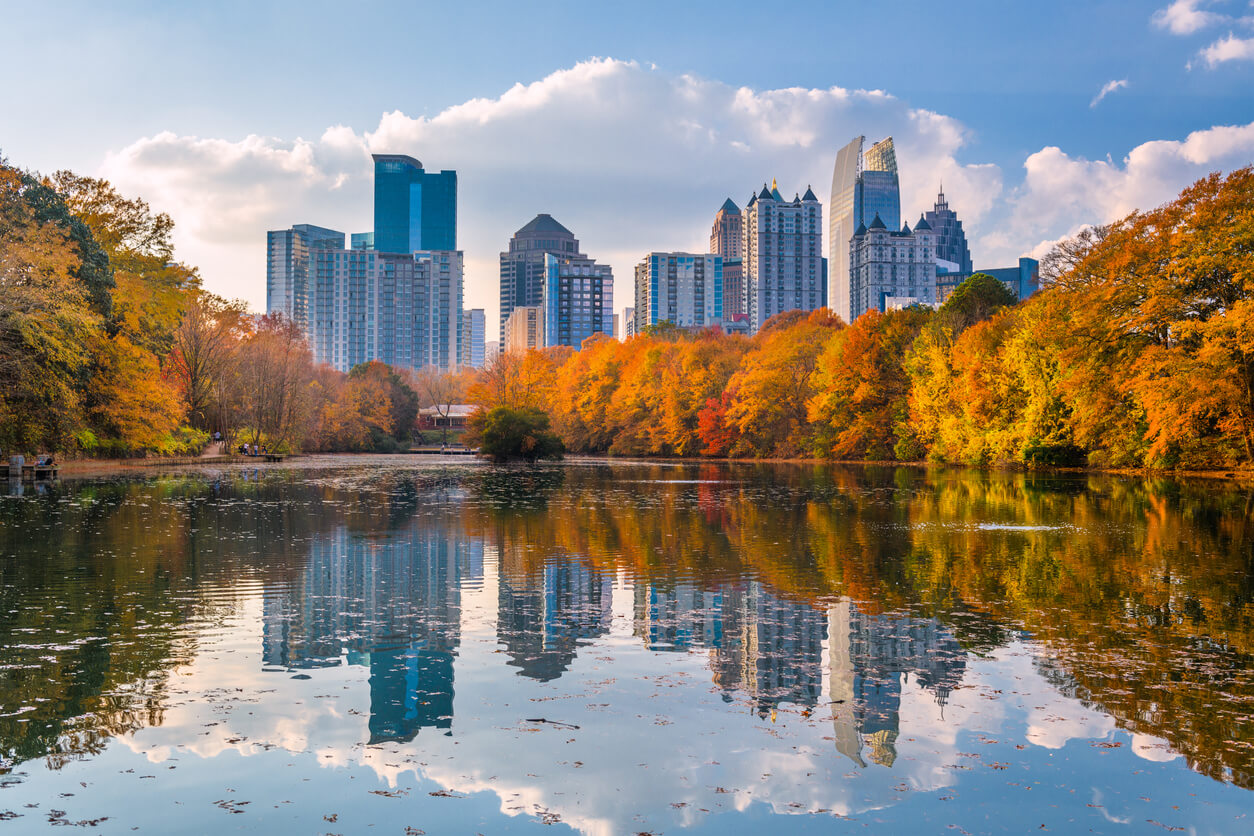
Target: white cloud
pixel 1108 88
pixel 1227 49
pixel 1060 193
pixel 630 158
pixel 1184 17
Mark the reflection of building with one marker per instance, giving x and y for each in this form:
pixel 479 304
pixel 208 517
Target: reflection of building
pixel 871 658
pixel 391 604
pixel 766 646
pixel 543 619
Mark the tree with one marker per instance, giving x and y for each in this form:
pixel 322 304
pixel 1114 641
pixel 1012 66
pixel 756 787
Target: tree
pixel 976 299
pixel 276 370
pixel 202 356
pixel 439 389
pixel 504 433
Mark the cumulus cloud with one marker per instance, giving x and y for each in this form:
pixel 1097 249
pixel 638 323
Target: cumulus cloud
pixel 1061 193
pixel 1108 88
pixel 629 157
pixel 1184 17
pixel 1227 49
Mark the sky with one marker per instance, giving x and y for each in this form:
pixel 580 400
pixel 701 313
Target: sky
pixel 630 124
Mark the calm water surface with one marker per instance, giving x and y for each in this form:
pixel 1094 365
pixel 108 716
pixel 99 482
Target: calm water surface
pixel 388 645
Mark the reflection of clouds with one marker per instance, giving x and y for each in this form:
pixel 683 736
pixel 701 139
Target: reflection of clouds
pixel 1151 748
pixel 657 747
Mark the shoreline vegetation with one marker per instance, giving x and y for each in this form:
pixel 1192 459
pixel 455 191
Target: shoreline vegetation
pixel 1137 356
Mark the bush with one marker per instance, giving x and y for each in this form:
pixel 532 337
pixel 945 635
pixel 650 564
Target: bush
pixel 504 433
pixel 1055 455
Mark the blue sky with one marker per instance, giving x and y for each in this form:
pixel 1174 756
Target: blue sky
pixel 632 122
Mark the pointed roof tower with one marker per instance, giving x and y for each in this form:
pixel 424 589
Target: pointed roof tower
pixel 729 207
pixel 809 195
pixel 775 191
pixel 922 225
pixel 766 194
pixel 877 223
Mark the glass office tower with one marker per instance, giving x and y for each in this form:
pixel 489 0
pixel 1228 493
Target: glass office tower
pixel 864 184
pixel 413 209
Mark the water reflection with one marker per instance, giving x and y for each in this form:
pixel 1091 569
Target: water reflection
pixel 847 608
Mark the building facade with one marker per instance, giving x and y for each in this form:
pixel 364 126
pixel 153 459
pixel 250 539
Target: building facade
pixel 951 241
pixel 684 289
pixel 287 267
pixel 522 265
pixel 491 351
pixel 473 344
pixel 783 255
pixel 524 330
pixel 578 300
pixel 629 323
pixel 726 235
pixel 413 209
pixel 891 265
pixel 863 185
pixel 404 310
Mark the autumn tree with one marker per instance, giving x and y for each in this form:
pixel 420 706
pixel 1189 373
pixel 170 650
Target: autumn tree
pixel 203 356
pixel 275 370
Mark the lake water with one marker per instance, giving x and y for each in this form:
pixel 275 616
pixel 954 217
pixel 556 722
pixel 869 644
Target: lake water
pixel 399 646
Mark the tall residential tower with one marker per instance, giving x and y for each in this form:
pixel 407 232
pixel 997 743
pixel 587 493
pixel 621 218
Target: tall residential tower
pixel 413 209
pixel 522 265
pixel 783 254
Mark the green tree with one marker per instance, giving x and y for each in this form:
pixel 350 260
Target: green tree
pixel 504 433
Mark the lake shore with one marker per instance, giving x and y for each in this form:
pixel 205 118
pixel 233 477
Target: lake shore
pixel 111 467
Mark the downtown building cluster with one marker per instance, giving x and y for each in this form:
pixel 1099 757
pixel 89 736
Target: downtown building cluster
pixel 393 294
pixel 396 293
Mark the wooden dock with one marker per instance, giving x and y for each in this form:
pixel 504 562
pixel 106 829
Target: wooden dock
pixel 30 472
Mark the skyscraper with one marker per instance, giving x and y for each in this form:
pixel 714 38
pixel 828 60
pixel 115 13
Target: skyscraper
pixel 403 309
pixel 783 254
pixel 524 330
pixel 951 241
pixel 891 268
pixel 413 210
pixel 472 343
pixel 522 265
pixel 681 288
pixel 727 240
pixel 287 267
pixel 578 300
pixel 863 185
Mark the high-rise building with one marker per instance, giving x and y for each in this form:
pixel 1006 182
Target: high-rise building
pixel 491 351
pixel 362 241
pixel 522 265
pixel 472 342
pixel 725 237
pixel 629 323
pixel 413 209
pixel 680 288
pixel 783 254
pixel 951 241
pixel 863 185
pixel 727 240
pixel 578 300
pixel 524 330
pixel 287 267
pixel 403 309
pixel 887 264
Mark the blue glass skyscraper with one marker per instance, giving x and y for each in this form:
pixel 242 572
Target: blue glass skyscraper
pixel 413 210
pixel 864 184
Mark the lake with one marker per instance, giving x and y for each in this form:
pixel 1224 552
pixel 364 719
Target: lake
pixel 402 645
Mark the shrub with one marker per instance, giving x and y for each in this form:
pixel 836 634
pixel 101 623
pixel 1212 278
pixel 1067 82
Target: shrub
pixel 504 433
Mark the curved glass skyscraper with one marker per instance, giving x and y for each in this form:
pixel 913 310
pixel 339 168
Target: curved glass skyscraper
pixel 413 209
pixel 864 184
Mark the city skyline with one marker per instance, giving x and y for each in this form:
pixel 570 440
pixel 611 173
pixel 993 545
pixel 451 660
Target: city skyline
pixel 1026 157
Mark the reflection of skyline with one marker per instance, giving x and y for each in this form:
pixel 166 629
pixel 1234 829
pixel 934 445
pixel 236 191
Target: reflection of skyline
pixel 392 604
pixel 544 617
pixel 871 657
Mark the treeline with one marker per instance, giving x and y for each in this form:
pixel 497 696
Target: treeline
pixel 1137 352
pixel 110 347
